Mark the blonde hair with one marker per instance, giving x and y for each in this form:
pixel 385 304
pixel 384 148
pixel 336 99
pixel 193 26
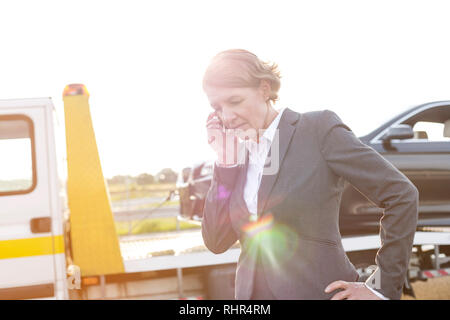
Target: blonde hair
pixel 241 68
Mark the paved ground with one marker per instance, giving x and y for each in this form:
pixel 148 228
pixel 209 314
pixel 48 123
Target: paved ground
pixel 436 289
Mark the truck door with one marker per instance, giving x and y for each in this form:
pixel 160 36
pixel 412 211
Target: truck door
pixel 27 243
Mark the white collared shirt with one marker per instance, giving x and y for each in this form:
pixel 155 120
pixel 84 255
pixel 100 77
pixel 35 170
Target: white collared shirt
pixel 257 158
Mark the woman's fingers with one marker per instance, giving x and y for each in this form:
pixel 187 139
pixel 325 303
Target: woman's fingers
pixel 211 115
pixel 214 121
pixel 224 142
pixel 341 295
pixel 339 284
pixel 213 118
pixel 214 125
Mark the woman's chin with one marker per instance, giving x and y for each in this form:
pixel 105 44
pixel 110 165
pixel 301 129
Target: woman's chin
pixel 246 134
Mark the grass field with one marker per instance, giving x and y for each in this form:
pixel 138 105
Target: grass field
pixel 152 225
pixel 120 192
pixel 171 203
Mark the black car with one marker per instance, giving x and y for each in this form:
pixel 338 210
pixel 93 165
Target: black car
pixel 416 141
pixel 192 185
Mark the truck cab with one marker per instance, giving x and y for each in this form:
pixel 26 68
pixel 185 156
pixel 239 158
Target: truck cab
pixel 32 259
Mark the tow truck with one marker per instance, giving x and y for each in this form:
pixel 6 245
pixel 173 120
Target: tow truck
pixel 57 234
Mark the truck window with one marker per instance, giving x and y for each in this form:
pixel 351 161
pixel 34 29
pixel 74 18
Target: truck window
pixel 17 155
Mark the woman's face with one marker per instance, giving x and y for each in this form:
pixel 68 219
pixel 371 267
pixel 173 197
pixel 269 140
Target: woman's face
pixel 239 108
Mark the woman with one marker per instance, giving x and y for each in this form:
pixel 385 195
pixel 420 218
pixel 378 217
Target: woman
pixel 285 215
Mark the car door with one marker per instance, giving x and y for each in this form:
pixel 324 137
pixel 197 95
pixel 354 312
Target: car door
pixel 425 160
pixel 27 246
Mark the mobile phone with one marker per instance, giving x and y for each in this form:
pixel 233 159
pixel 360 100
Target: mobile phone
pixel 216 116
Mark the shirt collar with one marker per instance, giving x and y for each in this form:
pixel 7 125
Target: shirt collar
pixel 268 134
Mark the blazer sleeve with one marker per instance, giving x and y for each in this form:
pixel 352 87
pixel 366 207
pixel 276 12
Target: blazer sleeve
pixel 217 230
pixel 385 186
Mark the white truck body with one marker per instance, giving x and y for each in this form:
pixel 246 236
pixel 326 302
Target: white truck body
pixel 35 267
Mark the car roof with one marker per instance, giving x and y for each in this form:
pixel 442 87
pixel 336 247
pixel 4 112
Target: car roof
pixel 427 105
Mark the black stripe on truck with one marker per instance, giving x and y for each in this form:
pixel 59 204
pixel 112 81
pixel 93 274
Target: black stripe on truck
pixel 28 292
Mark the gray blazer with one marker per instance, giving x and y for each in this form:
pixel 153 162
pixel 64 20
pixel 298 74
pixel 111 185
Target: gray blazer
pixel 299 248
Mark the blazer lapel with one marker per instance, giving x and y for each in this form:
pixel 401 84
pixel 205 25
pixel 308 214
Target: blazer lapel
pixel 286 129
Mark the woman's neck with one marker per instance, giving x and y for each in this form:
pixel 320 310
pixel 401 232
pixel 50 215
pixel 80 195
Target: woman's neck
pixel 271 114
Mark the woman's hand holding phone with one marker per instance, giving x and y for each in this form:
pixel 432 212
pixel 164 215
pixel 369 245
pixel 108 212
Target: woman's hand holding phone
pixel 223 141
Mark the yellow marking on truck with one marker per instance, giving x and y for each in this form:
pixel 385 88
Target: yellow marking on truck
pixel 95 245
pixel 19 248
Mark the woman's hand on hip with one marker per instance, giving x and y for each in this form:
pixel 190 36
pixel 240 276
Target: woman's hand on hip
pixel 351 291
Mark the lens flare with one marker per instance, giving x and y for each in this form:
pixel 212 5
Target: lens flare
pixel 223 193
pixel 264 223
pixel 275 243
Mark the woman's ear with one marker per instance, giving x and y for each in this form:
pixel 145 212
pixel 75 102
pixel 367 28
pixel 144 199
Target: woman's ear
pixel 265 88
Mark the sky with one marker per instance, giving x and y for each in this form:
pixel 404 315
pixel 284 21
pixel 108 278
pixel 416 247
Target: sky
pixel 143 62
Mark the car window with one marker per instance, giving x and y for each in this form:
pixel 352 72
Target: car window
pixel 430 131
pixel 207 170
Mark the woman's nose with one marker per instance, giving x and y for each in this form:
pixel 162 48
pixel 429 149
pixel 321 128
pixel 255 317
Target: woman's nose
pixel 228 117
